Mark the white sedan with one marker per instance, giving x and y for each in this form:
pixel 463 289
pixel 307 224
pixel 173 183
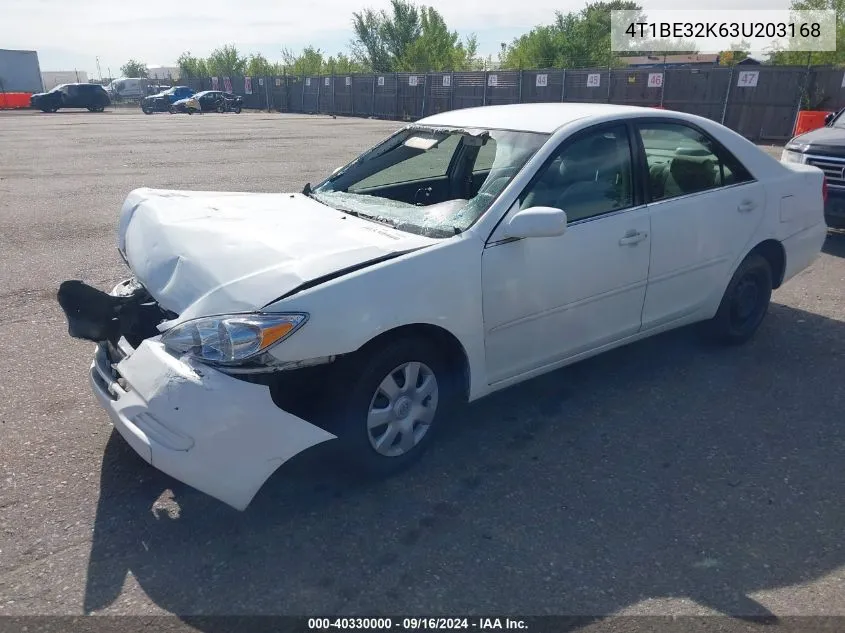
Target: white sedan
pixel 468 252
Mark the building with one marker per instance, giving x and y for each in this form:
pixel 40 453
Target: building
pixel 686 61
pixel 19 71
pixel 163 72
pixel 53 78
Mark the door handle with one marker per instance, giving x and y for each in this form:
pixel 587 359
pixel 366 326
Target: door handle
pixel 632 237
pixel 746 205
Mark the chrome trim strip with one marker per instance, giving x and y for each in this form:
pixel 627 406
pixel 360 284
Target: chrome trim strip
pixel 831 158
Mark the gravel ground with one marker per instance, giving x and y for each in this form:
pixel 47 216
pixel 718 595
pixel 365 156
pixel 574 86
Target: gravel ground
pixel 668 477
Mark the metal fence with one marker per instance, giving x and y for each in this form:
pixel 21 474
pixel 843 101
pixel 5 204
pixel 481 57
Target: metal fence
pixel 759 102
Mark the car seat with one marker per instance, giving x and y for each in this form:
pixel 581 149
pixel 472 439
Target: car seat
pixel 594 179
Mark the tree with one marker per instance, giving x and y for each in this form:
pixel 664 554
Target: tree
pixel 309 62
pixel 401 29
pixel 134 68
pixel 805 58
pixel 226 62
pixel 437 48
pixel 191 67
pixel 258 66
pixel 732 58
pixel 382 39
pixel 575 39
pixel 368 47
pixel 341 64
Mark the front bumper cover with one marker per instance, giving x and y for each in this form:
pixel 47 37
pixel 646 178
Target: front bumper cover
pixel 221 435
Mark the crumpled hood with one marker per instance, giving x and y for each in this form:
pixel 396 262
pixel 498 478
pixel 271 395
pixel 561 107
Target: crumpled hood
pixel 204 253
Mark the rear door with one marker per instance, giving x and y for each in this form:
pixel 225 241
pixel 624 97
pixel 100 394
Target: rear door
pixel 705 208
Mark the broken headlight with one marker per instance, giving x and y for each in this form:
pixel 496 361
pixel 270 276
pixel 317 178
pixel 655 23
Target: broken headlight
pixel 232 339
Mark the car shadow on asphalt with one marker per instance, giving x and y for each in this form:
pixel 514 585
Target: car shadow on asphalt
pixel 666 469
pixel 835 243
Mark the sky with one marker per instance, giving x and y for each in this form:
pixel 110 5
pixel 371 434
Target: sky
pixel 72 35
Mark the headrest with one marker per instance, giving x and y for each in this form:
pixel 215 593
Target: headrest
pixel 588 157
pixel 693 173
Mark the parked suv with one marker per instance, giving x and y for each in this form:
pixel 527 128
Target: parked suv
pixel 162 101
pixel 91 96
pixel 825 148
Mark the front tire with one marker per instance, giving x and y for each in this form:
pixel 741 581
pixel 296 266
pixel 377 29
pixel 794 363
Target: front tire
pixel 237 109
pixel 388 405
pixel 745 302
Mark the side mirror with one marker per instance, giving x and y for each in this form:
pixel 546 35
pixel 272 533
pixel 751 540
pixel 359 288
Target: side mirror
pixel 829 118
pixel 536 222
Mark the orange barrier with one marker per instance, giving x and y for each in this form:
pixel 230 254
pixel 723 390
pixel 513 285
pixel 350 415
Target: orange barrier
pixel 9 100
pixel 809 120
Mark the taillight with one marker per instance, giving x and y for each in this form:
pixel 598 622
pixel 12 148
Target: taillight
pixel 824 189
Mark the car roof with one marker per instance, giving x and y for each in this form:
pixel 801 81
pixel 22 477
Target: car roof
pixel 545 118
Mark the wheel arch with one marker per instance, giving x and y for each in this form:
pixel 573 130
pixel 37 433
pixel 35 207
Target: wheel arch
pixel 444 340
pixel 774 253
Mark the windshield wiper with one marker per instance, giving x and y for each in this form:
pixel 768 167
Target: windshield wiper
pixel 367 216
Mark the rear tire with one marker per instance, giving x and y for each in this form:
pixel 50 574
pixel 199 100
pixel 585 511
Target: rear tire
pixel 745 302
pixel 383 421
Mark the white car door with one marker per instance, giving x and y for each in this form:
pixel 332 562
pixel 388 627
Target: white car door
pixel 705 208
pixel 547 299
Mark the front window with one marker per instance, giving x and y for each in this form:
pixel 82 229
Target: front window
pixel 434 182
pixel 839 120
pixel 588 176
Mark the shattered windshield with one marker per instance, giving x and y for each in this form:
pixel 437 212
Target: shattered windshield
pixel 434 182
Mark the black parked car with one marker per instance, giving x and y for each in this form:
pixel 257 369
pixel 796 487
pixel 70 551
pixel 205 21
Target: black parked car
pixel 228 102
pixel 162 101
pixel 91 96
pixel 209 101
pixel 825 148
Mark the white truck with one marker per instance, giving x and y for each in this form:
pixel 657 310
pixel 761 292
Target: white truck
pixel 127 88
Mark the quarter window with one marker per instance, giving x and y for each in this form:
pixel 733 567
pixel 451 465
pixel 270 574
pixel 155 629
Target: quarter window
pixel 681 160
pixel 588 177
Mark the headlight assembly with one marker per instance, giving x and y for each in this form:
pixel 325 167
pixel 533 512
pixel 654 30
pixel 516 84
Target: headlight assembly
pixel 231 339
pixel 790 156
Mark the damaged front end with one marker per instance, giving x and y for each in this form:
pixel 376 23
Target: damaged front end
pixel 224 435
pixel 129 311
